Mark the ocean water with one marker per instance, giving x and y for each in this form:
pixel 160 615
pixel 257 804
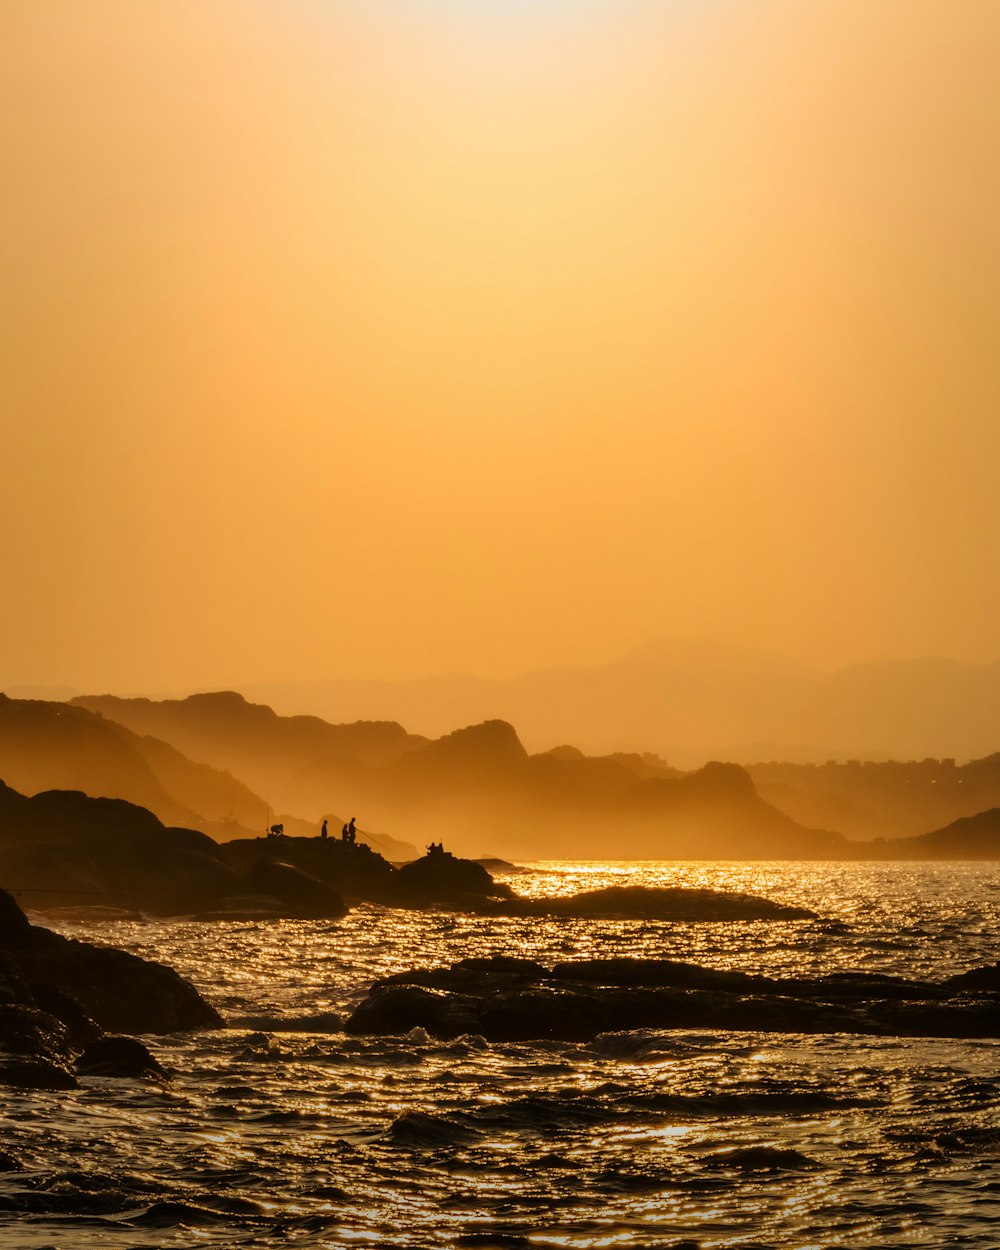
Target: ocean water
pixel 266 1138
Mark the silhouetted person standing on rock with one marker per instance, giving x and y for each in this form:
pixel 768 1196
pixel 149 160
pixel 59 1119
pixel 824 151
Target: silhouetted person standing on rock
pixel 322 832
pixel 352 833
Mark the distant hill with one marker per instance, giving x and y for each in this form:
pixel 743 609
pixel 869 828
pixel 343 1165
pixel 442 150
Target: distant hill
pixel 692 701
pixel 285 758
pixel 869 799
pixel 478 787
pixel 57 746
pixel 972 837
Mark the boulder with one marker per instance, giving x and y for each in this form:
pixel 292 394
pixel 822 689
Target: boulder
pixel 303 894
pixel 120 1057
pixel 35 1050
pixel 119 991
pixel 442 879
pixel 353 869
pixel 398 1009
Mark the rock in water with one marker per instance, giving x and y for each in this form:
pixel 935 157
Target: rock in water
pixel 508 1000
pixel 444 879
pixel 121 992
pixel 121 1057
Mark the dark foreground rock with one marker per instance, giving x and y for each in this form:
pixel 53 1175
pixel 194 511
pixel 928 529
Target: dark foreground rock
pixel 119 1056
pixel 507 999
pixel 59 998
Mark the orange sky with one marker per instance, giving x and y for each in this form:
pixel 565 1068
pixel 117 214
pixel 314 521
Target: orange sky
pixel 353 338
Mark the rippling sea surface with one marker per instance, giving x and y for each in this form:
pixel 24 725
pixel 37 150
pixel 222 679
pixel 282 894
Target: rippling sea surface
pixel 266 1138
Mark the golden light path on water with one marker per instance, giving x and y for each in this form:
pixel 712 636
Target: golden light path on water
pixel 638 1140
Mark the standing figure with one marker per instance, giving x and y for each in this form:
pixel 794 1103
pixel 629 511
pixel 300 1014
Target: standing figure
pixel 352 832
pixel 322 832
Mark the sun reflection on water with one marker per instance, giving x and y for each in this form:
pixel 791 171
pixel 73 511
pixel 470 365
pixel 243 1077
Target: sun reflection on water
pixel 677 1136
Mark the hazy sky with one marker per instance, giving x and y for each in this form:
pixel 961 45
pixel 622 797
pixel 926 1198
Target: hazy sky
pixel 384 337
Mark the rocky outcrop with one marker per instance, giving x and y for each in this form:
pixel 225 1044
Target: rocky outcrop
pixel 442 879
pixel 508 999
pixel 352 869
pixel 660 903
pixel 118 991
pixel 63 848
pixel 305 894
pixel 59 996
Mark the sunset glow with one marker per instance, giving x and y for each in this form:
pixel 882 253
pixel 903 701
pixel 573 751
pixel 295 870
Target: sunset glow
pixel 393 339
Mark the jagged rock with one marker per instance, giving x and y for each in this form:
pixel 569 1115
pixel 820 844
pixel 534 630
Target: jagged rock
pixel 35 1050
pixel 32 1073
pixel 80 1028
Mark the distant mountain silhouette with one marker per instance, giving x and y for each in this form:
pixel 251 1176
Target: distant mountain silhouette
pixel 971 837
pixel 58 746
pixel 478 787
pixel 889 799
pixel 692 701
pixel 286 758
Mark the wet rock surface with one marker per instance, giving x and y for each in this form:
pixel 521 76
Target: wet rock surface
pixel 507 999
pixel 121 1057
pixel 58 996
pixel 670 903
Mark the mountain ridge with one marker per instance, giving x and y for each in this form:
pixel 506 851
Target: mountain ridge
pixel 691 701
